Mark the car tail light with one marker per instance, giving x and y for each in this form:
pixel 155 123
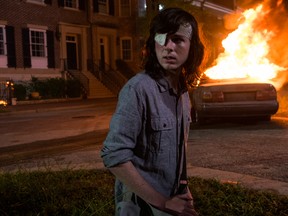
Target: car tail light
pixel 266 95
pixel 207 96
pixel 215 96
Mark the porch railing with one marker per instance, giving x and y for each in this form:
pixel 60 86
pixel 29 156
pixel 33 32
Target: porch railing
pixel 109 77
pixel 78 75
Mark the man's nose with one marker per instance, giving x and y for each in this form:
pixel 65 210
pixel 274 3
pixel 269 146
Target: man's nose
pixel 169 44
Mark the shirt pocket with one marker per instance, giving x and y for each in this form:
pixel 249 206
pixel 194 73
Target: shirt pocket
pixel 161 134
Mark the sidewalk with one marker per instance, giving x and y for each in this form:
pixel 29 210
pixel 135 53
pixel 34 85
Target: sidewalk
pixel 223 176
pixel 53 104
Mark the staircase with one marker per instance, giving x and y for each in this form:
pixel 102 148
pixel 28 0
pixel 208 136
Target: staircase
pixel 91 87
pixel 96 88
pixel 109 78
pixel 101 82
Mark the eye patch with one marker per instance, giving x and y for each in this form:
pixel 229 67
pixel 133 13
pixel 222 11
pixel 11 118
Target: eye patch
pixel 160 38
pixel 184 30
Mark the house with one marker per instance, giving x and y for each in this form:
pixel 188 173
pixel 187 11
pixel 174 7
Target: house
pixel 80 39
pixel 94 41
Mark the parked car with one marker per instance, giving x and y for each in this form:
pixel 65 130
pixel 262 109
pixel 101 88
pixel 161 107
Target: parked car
pixel 233 99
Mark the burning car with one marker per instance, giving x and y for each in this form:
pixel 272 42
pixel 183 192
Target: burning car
pixel 249 61
pixel 227 99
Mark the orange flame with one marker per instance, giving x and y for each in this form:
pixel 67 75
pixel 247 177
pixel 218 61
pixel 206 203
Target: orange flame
pixel 246 51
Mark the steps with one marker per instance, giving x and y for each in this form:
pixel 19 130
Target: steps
pixel 96 88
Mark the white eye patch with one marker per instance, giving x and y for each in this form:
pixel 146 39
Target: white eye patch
pixel 184 30
pixel 160 38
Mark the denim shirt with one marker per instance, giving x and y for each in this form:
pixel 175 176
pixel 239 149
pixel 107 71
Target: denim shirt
pixel 145 130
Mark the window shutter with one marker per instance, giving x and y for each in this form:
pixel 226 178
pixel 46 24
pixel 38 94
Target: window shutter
pixel 61 3
pixel 50 49
pixel 26 48
pixel 111 7
pixel 82 4
pixel 95 6
pixel 48 2
pixel 11 51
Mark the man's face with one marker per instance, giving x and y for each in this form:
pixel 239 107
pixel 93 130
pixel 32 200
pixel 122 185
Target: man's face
pixel 172 50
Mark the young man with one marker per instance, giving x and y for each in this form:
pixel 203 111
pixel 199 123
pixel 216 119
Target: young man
pixel 145 147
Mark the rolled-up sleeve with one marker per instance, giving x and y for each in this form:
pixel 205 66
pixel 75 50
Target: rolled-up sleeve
pixel 125 126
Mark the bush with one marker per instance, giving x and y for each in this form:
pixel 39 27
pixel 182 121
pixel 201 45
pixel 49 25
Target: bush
pixel 20 91
pixel 55 88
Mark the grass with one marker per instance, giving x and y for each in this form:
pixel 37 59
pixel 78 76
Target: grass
pixel 90 192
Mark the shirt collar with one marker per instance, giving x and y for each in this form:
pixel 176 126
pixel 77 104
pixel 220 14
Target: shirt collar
pixel 164 85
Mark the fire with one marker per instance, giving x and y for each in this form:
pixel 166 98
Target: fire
pixel 246 51
pixel 2 102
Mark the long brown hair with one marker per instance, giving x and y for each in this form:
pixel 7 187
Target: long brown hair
pixel 169 21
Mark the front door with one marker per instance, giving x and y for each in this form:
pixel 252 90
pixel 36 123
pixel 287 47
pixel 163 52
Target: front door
pixel 104 57
pixel 71 50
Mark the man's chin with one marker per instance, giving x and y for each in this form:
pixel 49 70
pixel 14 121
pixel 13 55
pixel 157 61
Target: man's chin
pixel 170 67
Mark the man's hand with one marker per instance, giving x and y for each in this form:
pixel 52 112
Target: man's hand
pixel 181 205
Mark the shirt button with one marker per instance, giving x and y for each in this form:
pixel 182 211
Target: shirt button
pixel 164 125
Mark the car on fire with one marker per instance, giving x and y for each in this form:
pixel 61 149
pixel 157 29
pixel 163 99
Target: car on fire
pixel 234 100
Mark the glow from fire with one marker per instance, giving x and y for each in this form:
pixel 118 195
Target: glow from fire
pixel 2 102
pixel 246 51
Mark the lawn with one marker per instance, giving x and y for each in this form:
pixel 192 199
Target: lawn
pixel 90 192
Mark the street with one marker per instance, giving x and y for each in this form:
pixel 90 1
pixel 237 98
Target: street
pixel 253 148
pixel 72 138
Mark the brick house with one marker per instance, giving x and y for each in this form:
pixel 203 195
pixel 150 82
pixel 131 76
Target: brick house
pixel 95 41
pixel 82 39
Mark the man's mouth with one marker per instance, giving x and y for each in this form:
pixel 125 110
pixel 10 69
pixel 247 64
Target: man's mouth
pixel 169 57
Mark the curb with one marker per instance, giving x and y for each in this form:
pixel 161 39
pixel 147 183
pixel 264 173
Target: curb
pixel 37 106
pixel 248 181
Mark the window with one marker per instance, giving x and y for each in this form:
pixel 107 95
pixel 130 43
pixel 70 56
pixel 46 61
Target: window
pixel 71 3
pixel 3 51
pixel 125 8
pixel 36 1
pixel 103 6
pixel 40 2
pixel 126 49
pixel 37 43
pixel 38 48
pixel 142 7
pixel 2 41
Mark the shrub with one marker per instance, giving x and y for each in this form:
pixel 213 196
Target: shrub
pixel 55 88
pixel 20 91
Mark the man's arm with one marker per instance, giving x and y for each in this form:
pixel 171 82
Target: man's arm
pixel 129 176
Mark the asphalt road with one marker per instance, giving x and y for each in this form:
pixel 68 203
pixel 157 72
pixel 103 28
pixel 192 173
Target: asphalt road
pixel 72 137
pixel 249 147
